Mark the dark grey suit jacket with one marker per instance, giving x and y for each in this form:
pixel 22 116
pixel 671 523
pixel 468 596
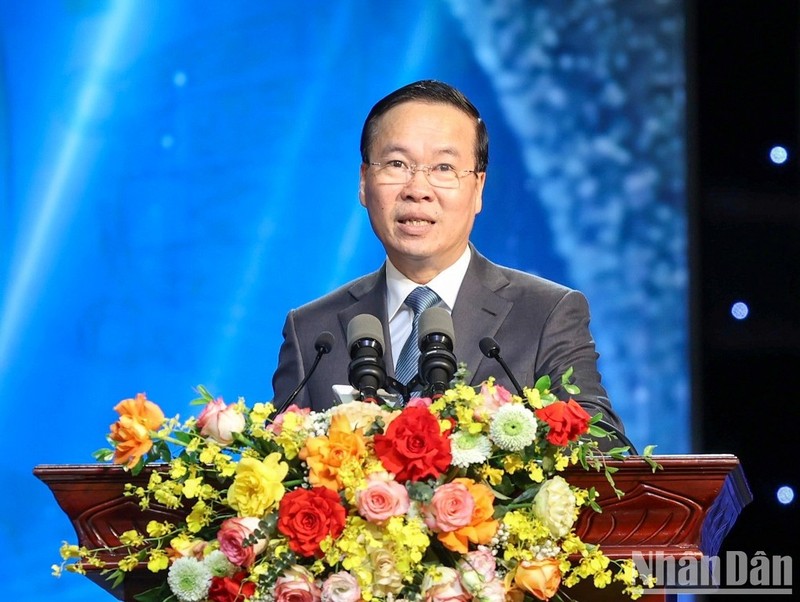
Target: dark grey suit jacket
pixel 540 326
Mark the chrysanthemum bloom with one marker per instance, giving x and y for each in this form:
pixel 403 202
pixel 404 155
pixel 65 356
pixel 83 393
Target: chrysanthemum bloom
pixel 189 579
pixel 513 427
pixel 131 433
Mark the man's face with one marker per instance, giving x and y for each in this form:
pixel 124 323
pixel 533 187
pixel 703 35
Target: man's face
pixel 424 229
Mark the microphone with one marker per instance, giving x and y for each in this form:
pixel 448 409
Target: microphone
pixel 490 348
pixel 437 363
pixel 367 372
pixel 323 344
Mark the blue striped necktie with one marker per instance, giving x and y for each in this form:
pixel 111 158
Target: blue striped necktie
pixel 420 299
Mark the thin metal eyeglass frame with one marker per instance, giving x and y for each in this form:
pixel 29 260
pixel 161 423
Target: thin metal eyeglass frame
pixel 411 170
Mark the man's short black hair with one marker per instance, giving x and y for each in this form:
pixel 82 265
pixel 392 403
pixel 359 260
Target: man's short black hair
pixel 434 92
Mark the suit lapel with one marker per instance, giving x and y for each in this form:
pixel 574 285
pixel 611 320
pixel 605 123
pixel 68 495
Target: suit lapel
pixel 479 311
pixel 369 297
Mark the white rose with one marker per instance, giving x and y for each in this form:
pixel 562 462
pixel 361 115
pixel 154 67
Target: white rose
pixel 554 505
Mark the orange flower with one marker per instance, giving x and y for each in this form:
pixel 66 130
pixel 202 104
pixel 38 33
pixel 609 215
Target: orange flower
pixel 482 527
pixel 540 578
pixel 327 454
pixel 131 433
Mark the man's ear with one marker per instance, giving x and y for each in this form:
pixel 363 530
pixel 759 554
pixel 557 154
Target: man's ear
pixel 479 191
pixel 361 184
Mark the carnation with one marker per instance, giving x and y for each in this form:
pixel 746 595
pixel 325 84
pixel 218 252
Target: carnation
pixel 189 579
pixel 513 427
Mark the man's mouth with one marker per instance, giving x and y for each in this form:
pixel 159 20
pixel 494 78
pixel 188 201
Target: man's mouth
pixel 415 222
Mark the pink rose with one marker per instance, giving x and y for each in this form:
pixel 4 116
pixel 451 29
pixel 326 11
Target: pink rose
pixel 341 587
pixel 382 498
pixel 297 585
pixel 451 508
pixel 276 426
pixel 492 399
pixel 419 402
pixel 231 536
pixel 219 421
pixel 445 587
pixel 477 569
pixel 493 591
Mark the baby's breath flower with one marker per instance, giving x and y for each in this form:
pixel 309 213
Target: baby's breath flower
pixel 513 427
pixel 189 579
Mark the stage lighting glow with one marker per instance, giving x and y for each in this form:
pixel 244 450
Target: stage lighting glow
pixel 740 310
pixel 785 495
pixel 778 155
pixel 43 237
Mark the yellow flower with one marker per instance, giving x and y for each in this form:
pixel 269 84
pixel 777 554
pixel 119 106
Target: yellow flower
pixel 131 538
pixel 191 487
pixel 199 517
pixel 257 487
pixel 512 463
pixel 327 455
pixel 128 563
pixel 159 561
pixel 157 529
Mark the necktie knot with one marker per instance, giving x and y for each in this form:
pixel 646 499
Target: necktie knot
pixel 420 299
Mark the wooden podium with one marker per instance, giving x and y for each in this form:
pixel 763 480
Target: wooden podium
pixel 686 509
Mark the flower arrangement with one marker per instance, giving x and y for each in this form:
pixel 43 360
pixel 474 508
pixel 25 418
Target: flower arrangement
pixel 449 499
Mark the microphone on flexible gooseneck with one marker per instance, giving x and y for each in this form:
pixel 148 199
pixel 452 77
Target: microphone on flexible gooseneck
pixel 437 363
pixel 323 344
pixel 367 371
pixel 490 348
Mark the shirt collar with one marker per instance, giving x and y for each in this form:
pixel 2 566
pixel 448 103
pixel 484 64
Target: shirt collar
pixel 446 284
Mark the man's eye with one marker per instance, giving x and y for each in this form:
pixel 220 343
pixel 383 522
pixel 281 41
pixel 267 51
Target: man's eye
pixel 396 164
pixel 443 168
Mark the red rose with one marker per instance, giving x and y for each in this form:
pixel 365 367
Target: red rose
pixel 567 421
pixel 307 516
pixel 231 589
pixel 413 447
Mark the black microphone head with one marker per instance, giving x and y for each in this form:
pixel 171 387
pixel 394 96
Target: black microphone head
pixel 489 347
pixel 324 342
pixel 364 326
pixel 436 320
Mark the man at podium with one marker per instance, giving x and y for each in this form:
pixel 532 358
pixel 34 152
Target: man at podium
pixel 424 153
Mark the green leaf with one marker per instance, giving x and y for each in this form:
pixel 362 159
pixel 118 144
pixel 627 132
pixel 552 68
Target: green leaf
pixel 543 384
pixel 161 593
pixel 103 455
pixel 648 451
pixel 565 378
pixel 572 389
pixel 618 452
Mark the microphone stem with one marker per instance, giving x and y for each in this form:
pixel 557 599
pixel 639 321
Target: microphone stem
pixel 299 388
pixel 508 372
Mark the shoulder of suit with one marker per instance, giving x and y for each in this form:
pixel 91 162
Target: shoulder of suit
pixel 344 295
pixel 511 281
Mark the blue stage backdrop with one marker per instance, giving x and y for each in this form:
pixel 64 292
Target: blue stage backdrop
pixel 175 176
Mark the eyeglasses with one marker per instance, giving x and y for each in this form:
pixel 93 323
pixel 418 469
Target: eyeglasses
pixel 441 175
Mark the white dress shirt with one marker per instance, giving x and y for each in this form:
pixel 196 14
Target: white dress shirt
pixel 446 284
